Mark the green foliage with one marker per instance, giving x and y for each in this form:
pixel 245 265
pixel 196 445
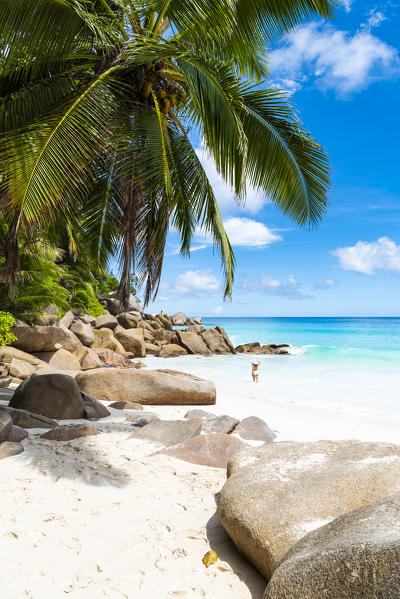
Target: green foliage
pixel 7 321
pixel 106 283
pixel 96 100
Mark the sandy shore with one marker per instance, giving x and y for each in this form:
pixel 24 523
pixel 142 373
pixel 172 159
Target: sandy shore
pixel 104 516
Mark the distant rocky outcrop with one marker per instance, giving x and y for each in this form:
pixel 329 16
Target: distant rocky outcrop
pixel 257 348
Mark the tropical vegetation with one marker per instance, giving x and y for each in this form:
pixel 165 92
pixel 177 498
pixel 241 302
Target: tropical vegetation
pixel 99 104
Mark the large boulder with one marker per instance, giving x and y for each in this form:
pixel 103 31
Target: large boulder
pixel 179 319
pixel 131 340
pixel 128 321
pixel 93 409
pixel 110 358
pixel 26 419
pixel 61 359
pixel 228 342
pixel 8 449
pixel 48 315
pixel 67 319
pixel 67 432
pixel 155 387
pixel 83 331
pixel 104 338
pixel 172 350
pixel 115 306
pixel 88 358
pixel 216 342
pixel 164 321
pixel 168 432
pixel 151 349
pixel 192 342
pixel 219 424
pixel 164 335
pixel 7 354
pixel 21 369
pixel 5 425
pixel 207 450
pixel 197 328
pixel 108 321
pixel 52 395
pixel 356 556
pixel 45 338
pixel 277 493
pixel 255 429
pixel 125 405
pixel 17 434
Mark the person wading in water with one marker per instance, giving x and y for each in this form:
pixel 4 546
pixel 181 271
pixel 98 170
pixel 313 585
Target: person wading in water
pixel 254 370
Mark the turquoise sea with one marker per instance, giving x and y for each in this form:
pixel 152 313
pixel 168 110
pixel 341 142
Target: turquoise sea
pixel 353 363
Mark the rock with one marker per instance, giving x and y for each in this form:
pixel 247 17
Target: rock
pixel 52 395
pixel 67 319
pixel 256 348
pixel 179 319
pixel 164 322
pixel 17 434
pixel 128 321
pixel 356 556
pixel 156 387
pixel 8 449
pixel 228 342
pixel 197 319
pixel 168 432
pixel 163 335
pixel 115 306
pixel 207 450
pixel 105 339
pixel 107 321
pixel 6 394
pixel 125 405
pixel 45 338
pixel 131 340
pixel 192 342
pixel 110 358
pixel 197 328
pixel 152 349
pixel 15 380
pixel 61 359
pixel 5 425
pixel 26 419
pixel 84 332
pixel 199 414
pixel 145 325
pixel 5 381
pixel 21 369
pixel 7 354
pixel 93 409
pixel 216 342
pixel 67 432
pixel 277 493
pixel 88 358
pixel 171 350
pixel 88 319
pixel 142 419
pixel 47 316
pixel 255 429
pixel 219 424
pixel 148 336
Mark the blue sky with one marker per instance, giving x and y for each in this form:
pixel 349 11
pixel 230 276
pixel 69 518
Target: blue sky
pixel 344 77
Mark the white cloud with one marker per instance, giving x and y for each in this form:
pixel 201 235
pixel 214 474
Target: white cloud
pixel 218 310
pixel 347 5
pixel 375 18
pixel 244 232
pixel 191 282
pixel 224 194
pixel 324 283
pixel 367 258
pixel 270 286
pixel 334 58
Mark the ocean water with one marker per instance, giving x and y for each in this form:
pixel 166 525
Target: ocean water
pixel 350 363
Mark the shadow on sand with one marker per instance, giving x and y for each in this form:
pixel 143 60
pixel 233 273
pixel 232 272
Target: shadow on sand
pixel 224 547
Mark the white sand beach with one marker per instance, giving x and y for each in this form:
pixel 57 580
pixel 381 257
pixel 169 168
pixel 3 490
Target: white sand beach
pixel 105 516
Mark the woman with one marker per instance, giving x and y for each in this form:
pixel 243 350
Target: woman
pixel 254 370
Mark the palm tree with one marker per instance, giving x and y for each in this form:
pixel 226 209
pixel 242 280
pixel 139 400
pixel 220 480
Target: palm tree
pixel 97 101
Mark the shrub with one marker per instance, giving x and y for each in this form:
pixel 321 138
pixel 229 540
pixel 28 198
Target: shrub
pixel 6 324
